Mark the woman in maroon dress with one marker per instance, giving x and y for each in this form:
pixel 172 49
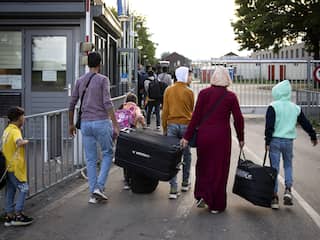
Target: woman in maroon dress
pixel 214 140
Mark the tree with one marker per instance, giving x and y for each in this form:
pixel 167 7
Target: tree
pixel 263 24
pixel 164 55
pixel 143 39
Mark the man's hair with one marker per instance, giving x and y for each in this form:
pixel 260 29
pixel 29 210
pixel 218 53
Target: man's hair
pixel 165 69
pixel 94 59
pixel 131 98
pixel 14 113
pixel 150 73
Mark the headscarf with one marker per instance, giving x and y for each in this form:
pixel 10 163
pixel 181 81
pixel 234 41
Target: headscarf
pixel 182 74
pixel 221 77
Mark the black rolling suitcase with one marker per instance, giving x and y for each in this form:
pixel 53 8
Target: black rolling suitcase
pixel 254 182
pixel 140 183
pixel 148 153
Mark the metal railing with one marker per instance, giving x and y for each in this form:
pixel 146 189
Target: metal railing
pixel 52 155
pixel 253 80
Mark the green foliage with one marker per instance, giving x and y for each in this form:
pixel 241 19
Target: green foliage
pixel 143 40
pixel 114 12
pixel 263 23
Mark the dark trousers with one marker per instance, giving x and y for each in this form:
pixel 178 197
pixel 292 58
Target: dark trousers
pixel 156 105
pixel 140 98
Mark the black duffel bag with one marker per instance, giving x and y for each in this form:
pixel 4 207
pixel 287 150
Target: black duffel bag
pixel 254 182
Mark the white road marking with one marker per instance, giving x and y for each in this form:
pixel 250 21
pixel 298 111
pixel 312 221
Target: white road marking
pixel 187 202
pixel 309 209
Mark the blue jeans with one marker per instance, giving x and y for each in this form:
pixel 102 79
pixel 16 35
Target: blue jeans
pixel 282 146
pixel 100 132
pixel 178 131
pixel 13 184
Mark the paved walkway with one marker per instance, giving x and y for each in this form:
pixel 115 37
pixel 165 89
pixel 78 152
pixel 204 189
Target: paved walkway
pixel 65 214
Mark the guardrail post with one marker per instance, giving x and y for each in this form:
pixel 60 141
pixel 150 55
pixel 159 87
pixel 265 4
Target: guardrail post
pixel 45 138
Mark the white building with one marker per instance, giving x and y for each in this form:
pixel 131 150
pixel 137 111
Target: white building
pixel 296 51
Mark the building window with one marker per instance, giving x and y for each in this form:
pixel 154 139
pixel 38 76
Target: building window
pixel 291 53
pixel 10 60
pixel 270 55
pixel 302 52
pixel 49 63
pixel 287 54
pixel 112 74
pixel 297 53
pixel 100 46
pixel 281 54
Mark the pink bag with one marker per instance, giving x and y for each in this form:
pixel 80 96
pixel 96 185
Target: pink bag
pixel 125 118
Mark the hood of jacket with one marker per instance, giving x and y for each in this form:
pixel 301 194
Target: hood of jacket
pixel 282 91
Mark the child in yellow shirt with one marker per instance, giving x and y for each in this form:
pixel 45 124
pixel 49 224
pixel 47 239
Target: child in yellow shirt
pixel 13 150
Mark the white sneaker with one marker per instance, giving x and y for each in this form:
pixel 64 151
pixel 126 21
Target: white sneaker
pixel 214 212
pixel 174 194
pixel 126 186
pixel 98 193
pixel 201 203
pixel 93 200
pixel 185 187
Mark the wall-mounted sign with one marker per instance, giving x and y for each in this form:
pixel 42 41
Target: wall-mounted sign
pixel 49 76
pixel 124 77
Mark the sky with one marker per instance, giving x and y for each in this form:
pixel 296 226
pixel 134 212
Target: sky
pixel 199 29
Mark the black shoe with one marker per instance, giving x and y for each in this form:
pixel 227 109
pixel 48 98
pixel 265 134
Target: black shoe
pixel 287 198
pixel 21 220
pixel 8 221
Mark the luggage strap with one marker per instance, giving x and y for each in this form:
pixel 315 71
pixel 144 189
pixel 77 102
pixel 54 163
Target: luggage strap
pixel 244 157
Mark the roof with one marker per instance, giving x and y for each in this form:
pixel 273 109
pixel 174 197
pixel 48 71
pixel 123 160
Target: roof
pixel 175 55
pixel 231 54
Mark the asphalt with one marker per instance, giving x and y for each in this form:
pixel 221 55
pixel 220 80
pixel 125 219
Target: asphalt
pixel 64 213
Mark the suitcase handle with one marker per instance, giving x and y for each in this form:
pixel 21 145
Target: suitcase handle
pixel 244 157
pixel 127 130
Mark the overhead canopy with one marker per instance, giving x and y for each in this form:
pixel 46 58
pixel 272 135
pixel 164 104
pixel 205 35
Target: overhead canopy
pixel 106 19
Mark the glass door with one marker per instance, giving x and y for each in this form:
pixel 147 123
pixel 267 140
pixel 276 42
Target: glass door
pixel 48 66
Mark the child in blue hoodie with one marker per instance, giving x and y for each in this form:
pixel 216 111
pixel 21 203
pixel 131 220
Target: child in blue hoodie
pixel 280 131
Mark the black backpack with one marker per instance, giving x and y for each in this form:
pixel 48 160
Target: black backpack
pixel 154 90
pixel 3 170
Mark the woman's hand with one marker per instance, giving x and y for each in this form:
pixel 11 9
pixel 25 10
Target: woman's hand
pixel 184 143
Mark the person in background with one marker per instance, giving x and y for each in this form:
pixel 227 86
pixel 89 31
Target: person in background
pixel 142 76
pixel 152 101
pixel 178 103
pixel 280 131
pixel 165 76
pixel 214 140
pixel 14 152
pixel 98 124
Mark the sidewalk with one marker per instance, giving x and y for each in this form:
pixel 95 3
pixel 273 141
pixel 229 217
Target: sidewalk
pixel 64 213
